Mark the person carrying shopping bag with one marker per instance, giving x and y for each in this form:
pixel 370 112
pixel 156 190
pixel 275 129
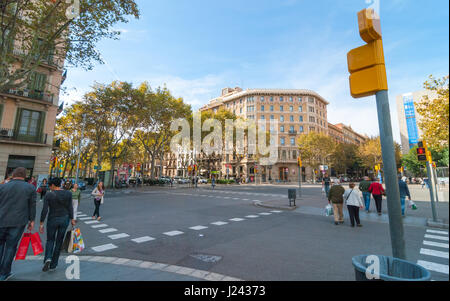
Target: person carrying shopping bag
pixel 336 198
pixel 17 209
pixel 364 188
pixel 354 203
pixel 76 198
pixel 377 191
pixel 98 193
pixel 58 207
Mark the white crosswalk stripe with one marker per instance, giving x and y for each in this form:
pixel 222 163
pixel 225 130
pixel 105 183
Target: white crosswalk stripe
pixel 173 233
pixel 219 223
pixel 435 244
pixel 437 232
pixel 237 219
pixel 265 213
pixel 436 267
pixel 434 253
pixel 143 239
pixel 252 216
pixel 99 226
pixel 109 230
pixel 85 218
pixel 118 236
pixel 104 248
pixel 198 228
pixel 91 222
pixel 436 237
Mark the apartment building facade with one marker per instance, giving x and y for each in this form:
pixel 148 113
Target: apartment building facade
pixel 297 112
pixel 28 118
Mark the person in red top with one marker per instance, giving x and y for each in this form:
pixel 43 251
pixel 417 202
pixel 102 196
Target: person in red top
pixel 377 191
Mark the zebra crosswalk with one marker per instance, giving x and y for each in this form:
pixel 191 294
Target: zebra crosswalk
pixel 434 252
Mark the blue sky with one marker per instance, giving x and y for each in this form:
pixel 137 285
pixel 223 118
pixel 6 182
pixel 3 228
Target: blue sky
pixel 197 47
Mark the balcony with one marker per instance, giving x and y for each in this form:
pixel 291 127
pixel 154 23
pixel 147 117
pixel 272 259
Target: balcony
pixel 38 95
pixel 47 61
pixel 292 132
pixel 13 136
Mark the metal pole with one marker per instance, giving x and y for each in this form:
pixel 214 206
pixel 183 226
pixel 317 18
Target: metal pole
pixel 436 184
pixel 390 175
pixel 299 182
pixel 79 148
pixel 431 184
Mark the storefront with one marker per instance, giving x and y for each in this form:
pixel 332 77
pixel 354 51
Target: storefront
pixel 20 161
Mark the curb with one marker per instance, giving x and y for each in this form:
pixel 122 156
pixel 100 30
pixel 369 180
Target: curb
pixel 264 205
pixel 440 224
pixel 185 271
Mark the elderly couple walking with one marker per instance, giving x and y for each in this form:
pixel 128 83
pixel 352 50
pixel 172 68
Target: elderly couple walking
pixel 338 196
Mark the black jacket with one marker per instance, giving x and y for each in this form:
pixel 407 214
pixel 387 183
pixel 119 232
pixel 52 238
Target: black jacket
pixel 17 204
pixel 60 204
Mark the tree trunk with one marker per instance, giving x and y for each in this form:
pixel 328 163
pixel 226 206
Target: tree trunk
pixel 152 167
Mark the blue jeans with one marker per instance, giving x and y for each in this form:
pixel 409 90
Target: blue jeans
pixel 9 238
pixel 366 196
pixel 402 201
pixel 327 190
pixel 56 230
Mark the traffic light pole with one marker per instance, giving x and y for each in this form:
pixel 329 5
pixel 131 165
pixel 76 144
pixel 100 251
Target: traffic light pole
pixel 299 182
pixel 432 185
pixel 390 175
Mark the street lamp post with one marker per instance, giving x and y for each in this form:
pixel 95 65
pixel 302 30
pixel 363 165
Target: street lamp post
pixel 79 148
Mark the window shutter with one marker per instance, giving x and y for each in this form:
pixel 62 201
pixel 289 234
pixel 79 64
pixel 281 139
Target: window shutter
pixel 41 133
pixel 1 114
pixel 17 123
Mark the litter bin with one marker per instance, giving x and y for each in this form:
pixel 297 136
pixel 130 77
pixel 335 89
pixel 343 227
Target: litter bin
pixel 390 269
pixel 292 195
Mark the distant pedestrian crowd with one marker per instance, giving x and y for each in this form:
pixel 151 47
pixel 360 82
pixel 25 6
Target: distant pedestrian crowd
pixel 18 213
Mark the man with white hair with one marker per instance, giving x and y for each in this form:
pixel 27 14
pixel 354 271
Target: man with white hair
pixel 336 198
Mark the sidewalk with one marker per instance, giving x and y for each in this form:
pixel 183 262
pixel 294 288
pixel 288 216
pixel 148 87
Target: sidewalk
pixel 97 268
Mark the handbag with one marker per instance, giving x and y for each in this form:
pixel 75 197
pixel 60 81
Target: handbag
pixel 412 205
pixel 23 247
pixel 67 244
pixel 36 244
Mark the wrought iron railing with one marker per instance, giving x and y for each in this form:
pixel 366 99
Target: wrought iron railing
pixel 13 135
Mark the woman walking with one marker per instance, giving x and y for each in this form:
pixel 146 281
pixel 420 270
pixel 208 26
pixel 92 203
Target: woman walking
pixel 58 207
pixel 76 198
pixel 43 188
pixel 354 203
pixel 98 193
pixel 377 191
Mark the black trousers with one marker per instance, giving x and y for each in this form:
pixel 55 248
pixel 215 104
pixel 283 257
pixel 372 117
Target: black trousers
pixel 378 201
pixel 353 211
pixel 97 208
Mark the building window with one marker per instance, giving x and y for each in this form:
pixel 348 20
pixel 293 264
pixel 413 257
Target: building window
pixel 291 99
pixel 282 129
pixel 281 108
pixel 271 108
pixel 263 128
pixel 311 109
pixel 262 108
pixel 291 118
pixel 263 117
pixel 311 99
pixel 262 99
pixel 292 141
pixel 282 142
pixel 301 129
pixel 312 119
pixel 271 98
pixel 299 99
pixel 281 98
pixel 30 123
pixel 291 109
pixel 300 109
pixel 282 118
pixel 291 129
pixel 240 101
pixel 294 154
pixel 272 117
pixel 300 118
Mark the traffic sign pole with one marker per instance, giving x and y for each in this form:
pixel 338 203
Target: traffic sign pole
pixel 390 176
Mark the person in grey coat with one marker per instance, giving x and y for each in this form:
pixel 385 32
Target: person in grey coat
pixel 404 192
pixel 17 209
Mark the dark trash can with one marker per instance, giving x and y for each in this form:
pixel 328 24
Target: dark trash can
pixel 391 269
pixel 292 195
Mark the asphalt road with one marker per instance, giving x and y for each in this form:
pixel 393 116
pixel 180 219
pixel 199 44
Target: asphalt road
pixel 223 232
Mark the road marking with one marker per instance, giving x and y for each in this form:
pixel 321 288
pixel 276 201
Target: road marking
pixel 276 211
pixel 437 232
pixel 117 236
pixel 99 226
pixel 143 239
pixel 91 222
pixel 79 212
pixel 81 215
pixel 198 228
pixel 236 198
pixel 435 244
pixel 245 199
pixel 436 267
pixel 85 218
pixel 256 201
pixel 109 230
pixel 237 219
pixel 219 223
pixel 436 237
pixel 265 213
pixel 226 197
pixel 104 248
pixel 173 233
pixel 434 253
pixel 252 216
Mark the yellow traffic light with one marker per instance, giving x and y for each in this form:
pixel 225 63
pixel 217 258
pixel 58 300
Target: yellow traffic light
pixel 299 161
pixel 366 64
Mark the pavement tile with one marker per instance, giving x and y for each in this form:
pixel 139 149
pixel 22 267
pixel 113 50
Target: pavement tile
pixel 185 271
pixel 158 266
pixel 120 261
pixel 134 263
pixel 199 274
pixel 214 277
pixel 231 279
pixel 146 264
pixel 171 268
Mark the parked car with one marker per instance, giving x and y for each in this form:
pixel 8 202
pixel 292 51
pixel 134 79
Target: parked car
pixel 132 180
pixel 202 180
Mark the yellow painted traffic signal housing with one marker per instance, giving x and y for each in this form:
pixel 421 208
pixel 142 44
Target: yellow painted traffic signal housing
pixel 299 162
pixel 366 64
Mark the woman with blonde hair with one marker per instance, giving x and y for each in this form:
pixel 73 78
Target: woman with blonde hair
pixel 354 203
pixel 98 193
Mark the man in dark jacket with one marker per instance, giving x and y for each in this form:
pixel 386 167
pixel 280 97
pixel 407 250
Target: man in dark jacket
pixel 336 198
pixel 404 192
pixel 17 209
